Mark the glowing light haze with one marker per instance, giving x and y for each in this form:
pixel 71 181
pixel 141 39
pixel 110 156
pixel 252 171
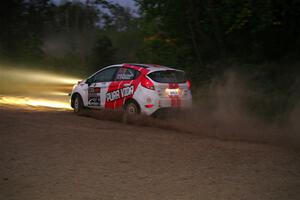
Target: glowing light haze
pixel 25 87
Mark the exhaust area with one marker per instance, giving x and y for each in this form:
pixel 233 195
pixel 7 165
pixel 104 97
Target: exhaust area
pixel 34 89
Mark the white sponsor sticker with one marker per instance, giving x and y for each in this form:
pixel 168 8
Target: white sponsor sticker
pixel 120 93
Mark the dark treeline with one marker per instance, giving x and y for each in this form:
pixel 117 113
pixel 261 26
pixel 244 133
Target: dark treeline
pixel 72 36
pixel 258 39
pixel 209 30
pixel 200 32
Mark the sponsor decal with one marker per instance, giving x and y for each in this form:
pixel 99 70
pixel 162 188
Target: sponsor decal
pixel 94 96
pixel 120 93
pixel 118 103
pixel 125 74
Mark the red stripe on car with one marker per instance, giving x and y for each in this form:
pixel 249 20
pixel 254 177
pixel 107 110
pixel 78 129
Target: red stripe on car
pixel 117 85
pixel 112 87
pixel 175 99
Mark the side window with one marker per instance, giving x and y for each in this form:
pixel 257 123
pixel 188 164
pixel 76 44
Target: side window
pixel 126 74
pixel 106 75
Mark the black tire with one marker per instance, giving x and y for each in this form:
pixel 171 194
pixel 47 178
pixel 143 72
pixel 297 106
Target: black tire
pixel 131 108
pixel 78 104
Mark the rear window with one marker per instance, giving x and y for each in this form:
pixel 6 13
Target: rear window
pixel 168 76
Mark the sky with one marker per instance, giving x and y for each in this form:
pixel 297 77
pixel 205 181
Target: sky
pixel 127 3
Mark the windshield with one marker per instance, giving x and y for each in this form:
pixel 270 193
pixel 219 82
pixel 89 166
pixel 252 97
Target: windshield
pixel 168 76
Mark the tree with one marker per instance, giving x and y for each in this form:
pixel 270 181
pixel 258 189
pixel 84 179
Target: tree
pixel 213 30
pixel 22 23
pixel 103 53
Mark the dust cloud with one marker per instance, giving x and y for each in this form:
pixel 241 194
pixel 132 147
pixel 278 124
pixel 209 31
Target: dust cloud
pixel 219 111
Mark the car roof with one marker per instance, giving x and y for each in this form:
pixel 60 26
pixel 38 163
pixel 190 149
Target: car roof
pixel 150 67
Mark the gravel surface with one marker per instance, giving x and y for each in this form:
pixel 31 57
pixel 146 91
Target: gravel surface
pixel 58 155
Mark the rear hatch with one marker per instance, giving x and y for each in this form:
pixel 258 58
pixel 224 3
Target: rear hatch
pixel 169 83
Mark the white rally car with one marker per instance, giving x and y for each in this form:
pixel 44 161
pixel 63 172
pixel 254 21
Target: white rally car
pixel 135 88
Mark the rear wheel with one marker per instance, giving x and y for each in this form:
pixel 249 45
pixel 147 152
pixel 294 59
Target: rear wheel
pixel 132 108
pixel 78 104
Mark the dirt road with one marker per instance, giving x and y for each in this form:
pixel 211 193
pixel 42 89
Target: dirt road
pixel 60 156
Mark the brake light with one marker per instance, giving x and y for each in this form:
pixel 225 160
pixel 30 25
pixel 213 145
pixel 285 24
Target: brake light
pixel 145 82
pixel 188 84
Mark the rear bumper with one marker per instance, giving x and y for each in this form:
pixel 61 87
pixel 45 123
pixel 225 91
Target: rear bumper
pixel 163 104
pixel 150 101
pixel 175 102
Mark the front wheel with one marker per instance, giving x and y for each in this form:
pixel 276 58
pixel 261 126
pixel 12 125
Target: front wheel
pixel 78 104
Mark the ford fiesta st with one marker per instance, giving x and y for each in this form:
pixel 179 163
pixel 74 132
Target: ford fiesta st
pixel 135 88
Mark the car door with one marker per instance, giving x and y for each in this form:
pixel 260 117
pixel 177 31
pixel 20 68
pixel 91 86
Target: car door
pixel 121 88
pixel 98 87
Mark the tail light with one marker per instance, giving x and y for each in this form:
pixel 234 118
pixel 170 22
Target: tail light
pixel 145 82
pixel 188 84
